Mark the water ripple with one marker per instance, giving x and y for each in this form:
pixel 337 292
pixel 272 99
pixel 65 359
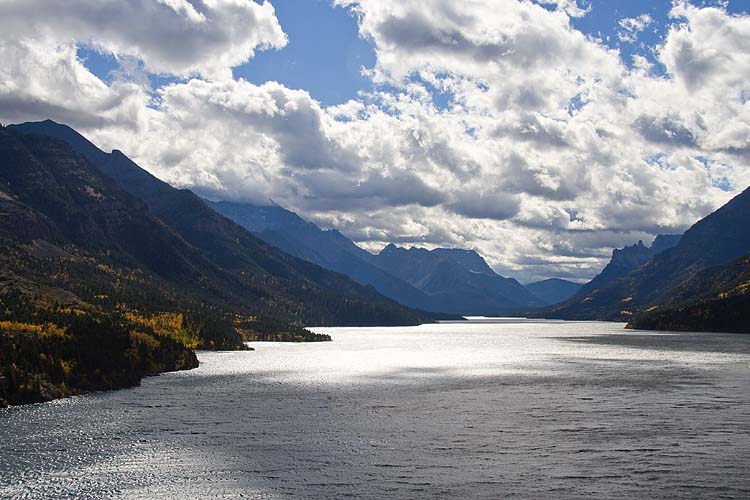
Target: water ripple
pixel 514 410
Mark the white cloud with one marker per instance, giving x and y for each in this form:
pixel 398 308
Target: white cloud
pixel 178 37
pixel 550 152
pixel 708 50
pixel 41 79
pixel 479 39
pixel 630 27
pixel 570 7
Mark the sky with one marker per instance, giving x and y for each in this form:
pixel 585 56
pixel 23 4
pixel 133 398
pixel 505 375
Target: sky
pixel 541 133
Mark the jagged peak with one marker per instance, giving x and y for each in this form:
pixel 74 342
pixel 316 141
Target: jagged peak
pixel 389 248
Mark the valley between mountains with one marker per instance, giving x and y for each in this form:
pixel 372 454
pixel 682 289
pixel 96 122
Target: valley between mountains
pixel 110 274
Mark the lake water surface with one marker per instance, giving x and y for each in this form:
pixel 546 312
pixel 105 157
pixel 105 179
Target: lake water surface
pixel 508 410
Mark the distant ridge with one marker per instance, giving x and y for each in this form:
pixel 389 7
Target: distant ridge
pixel 715 240
pixel 329 249
pixel 450 280
pixel 456 278
pixel 553 291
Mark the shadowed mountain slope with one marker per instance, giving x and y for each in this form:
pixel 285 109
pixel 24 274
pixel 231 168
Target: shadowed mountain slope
pixel 452 281
pixel 329 249
pixel 553 291
pixel 457 280
pixel 716 299
pixel 627 259
pixel 713 241
pixel 264 279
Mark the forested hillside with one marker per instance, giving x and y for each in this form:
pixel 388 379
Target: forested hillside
pixel 96 291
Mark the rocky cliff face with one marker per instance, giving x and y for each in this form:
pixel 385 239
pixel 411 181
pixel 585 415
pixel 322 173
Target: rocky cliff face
pixel 627 259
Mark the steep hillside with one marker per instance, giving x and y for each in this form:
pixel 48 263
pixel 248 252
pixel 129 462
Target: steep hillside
pixel 627 259
pixel 264 279
pixel 329 249
pixel 715 240
pixel 95 293
pixel 716 299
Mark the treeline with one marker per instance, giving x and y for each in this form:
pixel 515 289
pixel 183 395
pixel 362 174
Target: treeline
pixel 79 353
pixel 254 329
pixel 51 350
pixel 714 300
pixel 715 314
pixel 57 351
pixel 112 286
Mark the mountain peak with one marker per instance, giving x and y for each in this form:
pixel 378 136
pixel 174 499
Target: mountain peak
pixel 468 258
pixel 65 133
pixel 644 279
pixel 389 248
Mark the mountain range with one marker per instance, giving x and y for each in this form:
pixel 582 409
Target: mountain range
pixel 441 280
pixel 458 279
pixel 108 274
pixel 627 259
pixel 329 249
pixel 702 272
pixel 268 261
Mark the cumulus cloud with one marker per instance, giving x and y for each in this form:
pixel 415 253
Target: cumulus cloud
pixel 40 79
pixel 479 39
pixel 549 152
pixel 668 129
pixel 478 203
pixel 179 37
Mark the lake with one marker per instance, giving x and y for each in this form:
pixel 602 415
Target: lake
pixel 510 409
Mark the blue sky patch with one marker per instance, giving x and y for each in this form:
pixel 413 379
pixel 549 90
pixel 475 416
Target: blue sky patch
pixel 325 54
